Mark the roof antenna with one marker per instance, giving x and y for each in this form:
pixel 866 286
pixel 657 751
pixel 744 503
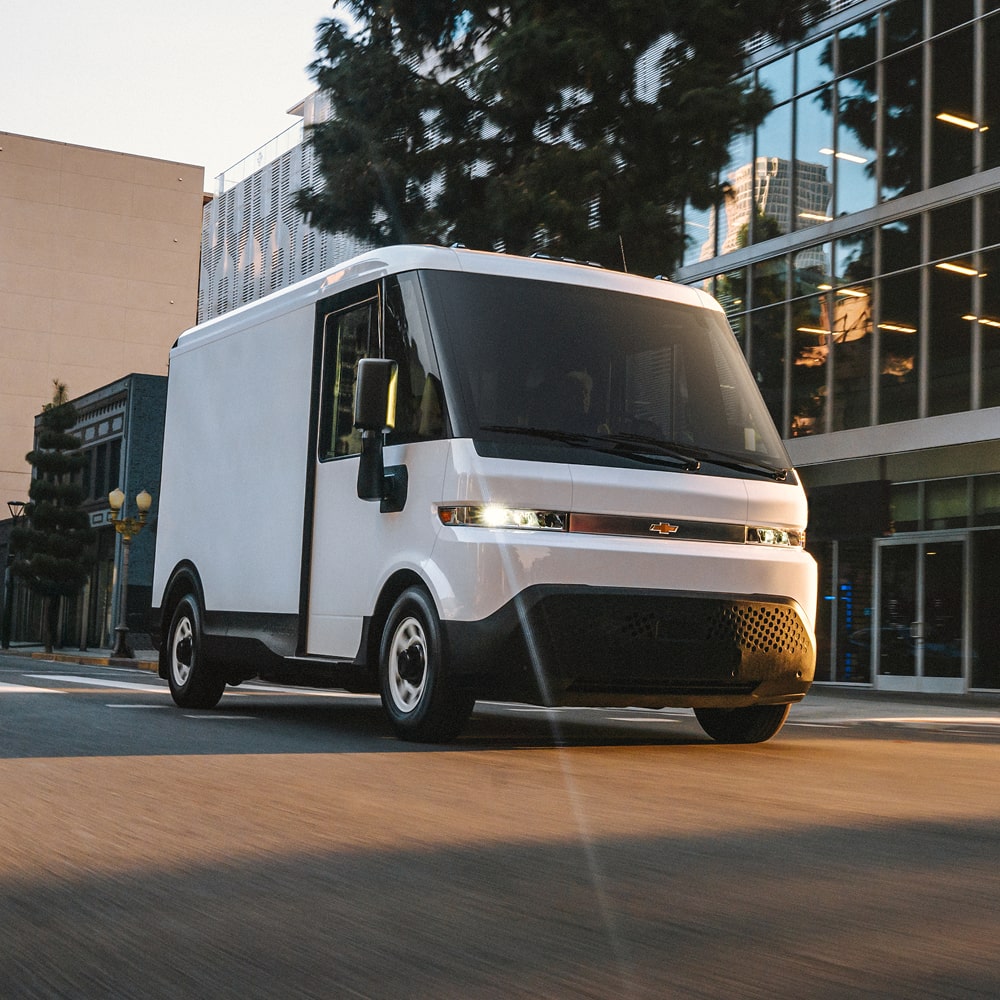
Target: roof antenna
pixel 621 243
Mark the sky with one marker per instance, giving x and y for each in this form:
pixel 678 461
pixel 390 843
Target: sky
pixel 204 82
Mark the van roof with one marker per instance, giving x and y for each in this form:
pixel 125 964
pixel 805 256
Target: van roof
pixel 375 264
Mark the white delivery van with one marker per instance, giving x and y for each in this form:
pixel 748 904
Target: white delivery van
pixel 444 475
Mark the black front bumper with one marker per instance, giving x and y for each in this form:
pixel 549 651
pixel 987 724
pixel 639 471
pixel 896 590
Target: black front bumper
pixel 597 646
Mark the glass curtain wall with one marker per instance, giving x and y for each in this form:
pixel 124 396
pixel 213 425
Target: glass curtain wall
pixel 893 321
pixel 880 139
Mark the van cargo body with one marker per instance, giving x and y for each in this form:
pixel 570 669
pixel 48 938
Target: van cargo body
pixel 444 475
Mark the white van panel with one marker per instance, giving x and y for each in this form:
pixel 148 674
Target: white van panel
pixel 478 570
pixel 658 493
pixel 356 547
pixel 487 567
pixel 499 480
pixel 220 487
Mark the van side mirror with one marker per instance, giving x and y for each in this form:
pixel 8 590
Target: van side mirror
pixel 375 413
pixel 375 395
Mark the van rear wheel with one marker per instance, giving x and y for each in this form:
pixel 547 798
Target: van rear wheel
pixel 422 706
pixel 753 724
pixel 193 682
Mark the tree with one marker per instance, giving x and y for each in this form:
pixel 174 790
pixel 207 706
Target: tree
pixel 572 128
pixel 52 546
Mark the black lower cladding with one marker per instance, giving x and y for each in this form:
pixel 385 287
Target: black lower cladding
pixel 562 645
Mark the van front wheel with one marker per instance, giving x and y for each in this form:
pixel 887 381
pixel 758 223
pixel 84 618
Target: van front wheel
pixel 753 724
pixel 193 683
pixel 416 695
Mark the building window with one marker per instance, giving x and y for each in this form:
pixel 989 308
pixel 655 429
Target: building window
pixel 955 130
pixel 991 93
pixel 899 346
pixel 902 113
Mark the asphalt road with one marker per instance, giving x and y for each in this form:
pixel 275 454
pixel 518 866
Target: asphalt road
pixel 286 845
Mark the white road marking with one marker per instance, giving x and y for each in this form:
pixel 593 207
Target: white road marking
pixel 625 718
pixel 158 708
pixel 252 689
pixel 205 718
pixel 818 725
pixel 940 720
pixel 97 682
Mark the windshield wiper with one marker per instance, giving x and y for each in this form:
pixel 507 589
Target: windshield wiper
pixel 730 461
pixel 697 452
pixel 651 450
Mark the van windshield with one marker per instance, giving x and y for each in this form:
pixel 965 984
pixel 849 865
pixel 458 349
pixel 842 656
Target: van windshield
pixel 540 369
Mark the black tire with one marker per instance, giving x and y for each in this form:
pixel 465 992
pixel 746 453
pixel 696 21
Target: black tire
pixel 754 724
pixel 193 682
pixel 420 703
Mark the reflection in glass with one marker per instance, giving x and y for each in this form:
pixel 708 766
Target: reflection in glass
pixel 731 290
pixel 699 234
pixel 944 598
pixel 947 503
pixel 985 601
pixel 811 344
pixel 951 231
pixel 814 132
pixel 986 507
pixel 852 340
pixel 904 507
pixel 989 329
pixel 950 341
pixel 739 326
pixel 898 320
pixel 732 218
pixel 858 45
pixel 855 147
pixel 898 610
pixel 767 361
pixel 823 553
pixel 902 112
pixel 773 175
pixel 854 611
pixel 856 257
pixel 991 93
pixel 991 218
pixel 948 15
pixel 814 65
pixel 954 130
pixel 777 77
pixel 904 25
pixel 811 270
pixel 901 242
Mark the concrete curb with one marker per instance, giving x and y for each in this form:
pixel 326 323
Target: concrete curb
pixel 144 659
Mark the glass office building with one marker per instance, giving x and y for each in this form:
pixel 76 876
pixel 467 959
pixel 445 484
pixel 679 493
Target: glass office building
pixel 857 252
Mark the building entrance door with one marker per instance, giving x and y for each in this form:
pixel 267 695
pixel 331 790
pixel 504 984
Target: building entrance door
pixel 921 639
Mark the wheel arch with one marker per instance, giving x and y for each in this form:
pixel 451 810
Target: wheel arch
pixel 183 581
pixel 400 581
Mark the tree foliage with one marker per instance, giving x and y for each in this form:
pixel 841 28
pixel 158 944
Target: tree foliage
pixel 51 548
pixel 573 128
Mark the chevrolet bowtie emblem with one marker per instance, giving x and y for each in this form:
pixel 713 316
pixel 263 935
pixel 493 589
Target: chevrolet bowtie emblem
pixel 663 528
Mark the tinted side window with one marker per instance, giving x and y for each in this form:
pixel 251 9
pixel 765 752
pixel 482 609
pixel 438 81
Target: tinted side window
pixel 348 336
pixel 420 412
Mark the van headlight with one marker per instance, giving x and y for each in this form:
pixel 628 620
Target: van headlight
pixel 775 536
pixel 494 515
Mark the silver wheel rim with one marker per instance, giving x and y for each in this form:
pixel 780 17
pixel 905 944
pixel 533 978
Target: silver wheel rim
pixel 407 665
pixel 181 652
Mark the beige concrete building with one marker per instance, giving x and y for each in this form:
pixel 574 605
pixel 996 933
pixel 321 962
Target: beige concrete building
pixel 99 256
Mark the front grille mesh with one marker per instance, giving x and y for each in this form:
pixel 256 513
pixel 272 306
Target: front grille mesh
pixel 762 628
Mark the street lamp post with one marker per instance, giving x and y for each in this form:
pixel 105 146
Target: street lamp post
pixel 128 528
pixel 16 508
